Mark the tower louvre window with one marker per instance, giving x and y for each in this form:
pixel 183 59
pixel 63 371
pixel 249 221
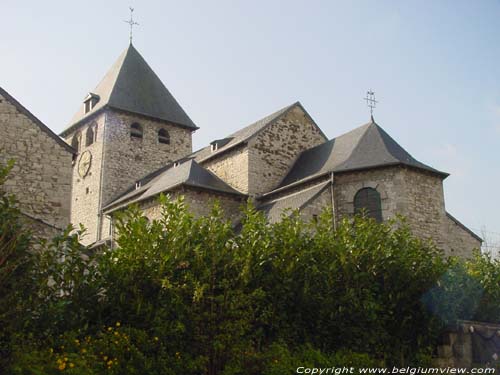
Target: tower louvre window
pixel 163 136
pixel 367 202
pixel 75 142
pixel 90 135
pixel 136 131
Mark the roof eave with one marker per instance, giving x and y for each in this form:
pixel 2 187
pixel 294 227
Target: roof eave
pixel 115 206
pixel 95 113
pixel 443 175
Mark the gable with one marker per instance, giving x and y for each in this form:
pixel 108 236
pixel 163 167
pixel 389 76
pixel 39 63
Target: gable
pixel 24 111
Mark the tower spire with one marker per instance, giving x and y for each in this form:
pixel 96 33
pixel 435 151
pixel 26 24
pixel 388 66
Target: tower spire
pixel 132 23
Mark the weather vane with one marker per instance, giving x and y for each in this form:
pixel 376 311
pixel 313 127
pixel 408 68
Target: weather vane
pixel 370 101
pixel 131 22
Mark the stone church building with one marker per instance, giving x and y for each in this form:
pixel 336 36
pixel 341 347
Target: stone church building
pixel 133 141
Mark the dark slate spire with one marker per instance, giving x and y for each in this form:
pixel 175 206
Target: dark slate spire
pixel 131 85
pixel 368 146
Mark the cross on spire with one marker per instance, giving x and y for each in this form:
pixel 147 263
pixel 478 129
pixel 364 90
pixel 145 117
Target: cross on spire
pixel 131 22
pixel 370 101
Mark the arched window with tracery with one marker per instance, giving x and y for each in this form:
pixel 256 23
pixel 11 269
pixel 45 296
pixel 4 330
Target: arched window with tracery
pixel 367 202
pixel 136 131
pixel 163 136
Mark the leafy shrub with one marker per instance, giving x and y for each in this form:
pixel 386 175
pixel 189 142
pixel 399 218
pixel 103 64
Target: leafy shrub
pixel 194 295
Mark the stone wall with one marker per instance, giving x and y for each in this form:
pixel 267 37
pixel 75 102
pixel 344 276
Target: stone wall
pixel 469 344
pixel 275 149
pixel 199 203
pixel 232 167
pixel 86 189
pixel 118 161
pixel 128 159
pixel 415 194
pixel 460 241
pixel 41 177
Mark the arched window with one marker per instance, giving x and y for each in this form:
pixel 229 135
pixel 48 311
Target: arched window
pixel 90 135
pixel 163 136
pixel 367 202
pixel 75 142
pixel 136 130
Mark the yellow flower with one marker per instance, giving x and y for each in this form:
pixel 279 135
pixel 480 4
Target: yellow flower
pixel 51 350
pixel 110 328
pixel 71 365
pixel 62 366
pixel 84 350
pixel 118 324
pixel 156 338
pixel 109 363
pixel 116 333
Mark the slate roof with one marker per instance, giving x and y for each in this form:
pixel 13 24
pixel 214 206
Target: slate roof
pixel 187 173
pixel 131 85
pixel 284 206
pixel 244 135
pixel 36 121
pixel 368 146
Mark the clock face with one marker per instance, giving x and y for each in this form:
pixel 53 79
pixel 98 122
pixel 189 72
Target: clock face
pixel 84 163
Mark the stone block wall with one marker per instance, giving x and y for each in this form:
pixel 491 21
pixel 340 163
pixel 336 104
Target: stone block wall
pixel 128 159
pixel 459 240
pixel 469 344
pixel 232 167
pixel 118 161
pixel 86 190
pixel 199 203
pixel 275 149
pixel 415 194
pixel 41 177
pixel 389 182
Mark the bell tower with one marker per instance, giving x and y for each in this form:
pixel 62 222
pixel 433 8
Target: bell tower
pixel 130 125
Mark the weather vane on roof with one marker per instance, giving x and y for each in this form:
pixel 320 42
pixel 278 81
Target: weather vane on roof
pixel 370 101
pixel 131 22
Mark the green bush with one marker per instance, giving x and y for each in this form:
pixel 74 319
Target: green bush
pixel 193 295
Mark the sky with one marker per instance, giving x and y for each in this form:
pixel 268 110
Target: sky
pixel 434 66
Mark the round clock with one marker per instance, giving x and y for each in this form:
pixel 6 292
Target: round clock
pixel 84 163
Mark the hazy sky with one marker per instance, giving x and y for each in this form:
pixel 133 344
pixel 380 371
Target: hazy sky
pixel 434 66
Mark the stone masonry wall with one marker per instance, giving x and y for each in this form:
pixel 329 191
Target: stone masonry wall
pixel 459 241
pixel 86 189
pixel 232 168
pixel 199 203
pixel 128 159
pixel 41 177
pixel 117 162
pixel 417 195
pixel 273 151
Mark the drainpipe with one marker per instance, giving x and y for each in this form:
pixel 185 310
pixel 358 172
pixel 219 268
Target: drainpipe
pixel 334 217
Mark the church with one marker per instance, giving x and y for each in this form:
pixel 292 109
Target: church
pixel 132 141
